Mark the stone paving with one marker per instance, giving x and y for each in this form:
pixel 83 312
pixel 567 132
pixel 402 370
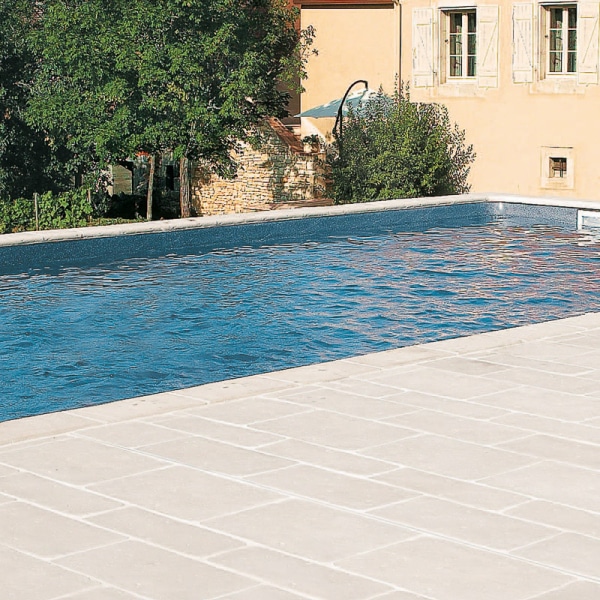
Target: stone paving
pixel 465 469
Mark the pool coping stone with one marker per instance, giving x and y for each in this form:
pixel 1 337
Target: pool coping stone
pixel 161 226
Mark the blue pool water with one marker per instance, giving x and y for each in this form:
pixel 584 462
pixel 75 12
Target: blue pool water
pixel 220 303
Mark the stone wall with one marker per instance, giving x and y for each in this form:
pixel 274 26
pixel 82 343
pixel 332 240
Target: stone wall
pixel 279 172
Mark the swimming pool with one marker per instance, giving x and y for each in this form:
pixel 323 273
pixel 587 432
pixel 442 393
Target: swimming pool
pixel 100 319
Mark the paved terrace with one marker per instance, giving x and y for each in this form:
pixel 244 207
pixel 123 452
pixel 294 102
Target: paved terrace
pixel 458 470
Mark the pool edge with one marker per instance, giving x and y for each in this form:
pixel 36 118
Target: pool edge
pixel 106 231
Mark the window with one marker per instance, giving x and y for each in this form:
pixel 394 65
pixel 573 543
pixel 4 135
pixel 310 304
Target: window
pixel 558 167
pixel 458 47
pixel 562 39
pixel 462 44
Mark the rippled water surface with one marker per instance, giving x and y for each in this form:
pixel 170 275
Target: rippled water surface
pixel 91 335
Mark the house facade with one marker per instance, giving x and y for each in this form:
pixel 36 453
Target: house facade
pixel 522 78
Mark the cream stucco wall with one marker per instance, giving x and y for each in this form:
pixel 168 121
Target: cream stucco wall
pixel 509 125
pixel 352 43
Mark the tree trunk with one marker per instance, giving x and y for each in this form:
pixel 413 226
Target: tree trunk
pixel 150 187
pixel 185 192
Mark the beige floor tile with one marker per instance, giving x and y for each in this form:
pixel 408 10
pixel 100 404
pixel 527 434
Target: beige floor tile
pixel 233 434
pixel 79 461
pixel 310 530
pixel 262 592
pixel 248 410
pixel 362 387
pixel 479 527
pixel 35 427
pixel 101 593
pixel 461 408
pixel 27 578
pixel 343 432
pixel 584 340
pixel 57 496
pixel 135 408
pixel 216 456
pixel 175 535
pixel 400 596
pixel 580 590
pixel 232 389
pixel 466 366
pixel 347 403
pixel 448 571
pixel 557 515
pixel 46 534
pixel 558 449
pixel 550 366
pixel 318 373
pixel 399 356
pixel 468 430
pixel 544 403
pixel 333 488
pixel 319 456
pixel 186 493
pixel 569 551
pixel 554 482
pixel 447 457
pixel 546 350
pixel 547 381
pixel 463 492
pixel 434 381
pixel 595 376
pixel 299 575
pixel 130 434
pixel 7 471
pixel 154 572
pixel 589 360
pixel 537 424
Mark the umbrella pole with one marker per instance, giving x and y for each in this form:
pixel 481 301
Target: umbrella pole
pixel 338 119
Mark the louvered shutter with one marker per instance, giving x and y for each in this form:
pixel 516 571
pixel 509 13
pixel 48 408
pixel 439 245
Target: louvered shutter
pixel 522 59
pixel 422 47
pixel 487 46
pixel 587 42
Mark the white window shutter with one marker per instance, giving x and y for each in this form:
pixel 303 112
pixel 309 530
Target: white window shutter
pixel 487 46
pixel 522 63
pixel 587 42
pixel 422 47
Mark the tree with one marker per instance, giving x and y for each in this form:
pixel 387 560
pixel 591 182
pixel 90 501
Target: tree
pixel 395 148
pixel 192 77
pixel 28 163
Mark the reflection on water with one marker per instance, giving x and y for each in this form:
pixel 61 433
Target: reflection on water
pixel 144 326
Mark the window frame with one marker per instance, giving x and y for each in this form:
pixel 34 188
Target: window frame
pixel 565 32
pixel 448 14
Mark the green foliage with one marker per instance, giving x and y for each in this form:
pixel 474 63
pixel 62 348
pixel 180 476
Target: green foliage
pixel 68 209
pixel 16 215
pixel 27 162
pixel 120 76
pixel 395 148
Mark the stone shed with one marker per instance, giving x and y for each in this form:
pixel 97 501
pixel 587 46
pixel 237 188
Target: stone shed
pixel 279 173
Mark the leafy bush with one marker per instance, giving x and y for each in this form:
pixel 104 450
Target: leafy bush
pixel 69 209
pixel 395 148
pixel 16 215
